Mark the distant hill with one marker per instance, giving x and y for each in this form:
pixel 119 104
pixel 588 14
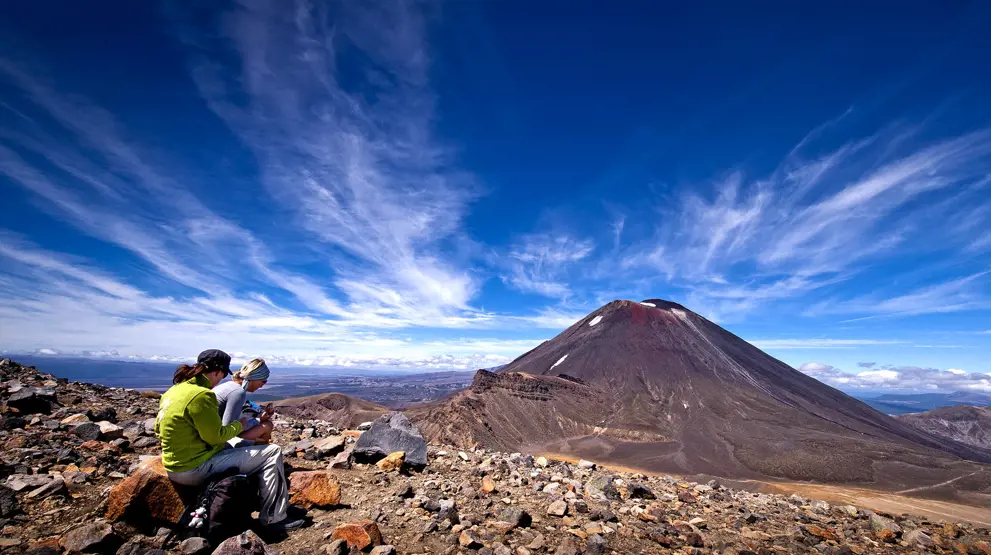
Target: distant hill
pixel 338 409
pixel 963 423
pixel 656 386
pixel 907 403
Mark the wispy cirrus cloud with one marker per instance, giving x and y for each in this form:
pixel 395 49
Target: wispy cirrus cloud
pixel 356 163
pixel 812 229
pixel 542 263
pixel 964 293
pixel 900 378
pixel 375 202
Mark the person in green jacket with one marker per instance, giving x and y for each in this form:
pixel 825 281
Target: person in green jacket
pixel 194 439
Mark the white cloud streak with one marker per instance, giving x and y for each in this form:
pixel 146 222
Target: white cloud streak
pixel 900 378
pixel 542 263
pixel 787 344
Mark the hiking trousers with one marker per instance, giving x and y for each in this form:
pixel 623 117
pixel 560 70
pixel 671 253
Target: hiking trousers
pixel 263 460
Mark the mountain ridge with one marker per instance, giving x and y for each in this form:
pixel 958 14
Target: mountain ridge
pixel 687 396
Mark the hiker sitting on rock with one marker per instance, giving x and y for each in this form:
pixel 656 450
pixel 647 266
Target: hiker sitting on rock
pixel 194 439
pixel 232 395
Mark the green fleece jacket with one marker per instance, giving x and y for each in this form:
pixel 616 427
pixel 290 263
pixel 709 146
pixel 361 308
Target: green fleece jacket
pixel 189 426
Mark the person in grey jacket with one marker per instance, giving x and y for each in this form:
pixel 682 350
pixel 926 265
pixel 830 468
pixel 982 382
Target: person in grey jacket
pixel 232 395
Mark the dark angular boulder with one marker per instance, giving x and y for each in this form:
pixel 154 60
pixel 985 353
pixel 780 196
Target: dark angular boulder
pixel 12 422
pixel 390 433
pixel 108 414
pixel 88 431
pixel 32 400
pixel 8 502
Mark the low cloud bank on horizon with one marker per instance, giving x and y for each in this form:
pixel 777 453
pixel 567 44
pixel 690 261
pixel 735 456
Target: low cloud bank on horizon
pixel 308 185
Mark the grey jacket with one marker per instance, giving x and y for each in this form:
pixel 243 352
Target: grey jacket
pixel 230 400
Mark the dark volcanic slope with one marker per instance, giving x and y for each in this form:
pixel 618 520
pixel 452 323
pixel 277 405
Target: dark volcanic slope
pixel 339 409
pixel 970 425
pixel 663 388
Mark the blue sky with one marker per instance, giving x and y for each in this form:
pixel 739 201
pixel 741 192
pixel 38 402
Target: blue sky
pixel 444 185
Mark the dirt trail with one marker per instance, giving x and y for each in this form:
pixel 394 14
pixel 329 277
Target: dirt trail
pixel 875 500
pixel 888 502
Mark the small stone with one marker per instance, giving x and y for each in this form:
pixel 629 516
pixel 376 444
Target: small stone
pixel 329 446
pixel 336 547
pixel 342 460
pixel 361 534
pixel 469 540
pixel 640 491
pixel 384 550
pixel 88 538
pixel 79 418
pixel 596 545
pixel 918 538
pixel 587 465
pixel 393 461
pixel 821 533
pixel 110 431
pixel 567 547
pixel 541 462
pixel 20 482
pixel 87 431
pixel 686 496
pixel 515 516
pixel 605 515
pixel 488 486
pixel 248 543
pixel 558 508
pixel 884 529
pixel 849 510
pixel 55 487
pixel 194 546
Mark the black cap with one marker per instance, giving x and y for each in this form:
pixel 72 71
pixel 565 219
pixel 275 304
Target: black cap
pixel 215 359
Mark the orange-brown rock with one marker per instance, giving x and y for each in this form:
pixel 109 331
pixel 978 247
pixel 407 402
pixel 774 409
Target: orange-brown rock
pixel 351 433
pixel 360 535
pixel 146 496
pixel 488 486
pixel 822 533
pixel 394 461
pixel 314 489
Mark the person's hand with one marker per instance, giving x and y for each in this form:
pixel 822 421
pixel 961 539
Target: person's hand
pixel 245 420
pixel 265 417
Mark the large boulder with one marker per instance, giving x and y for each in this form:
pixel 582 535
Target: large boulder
pixel 147 497
pixel 390 433
pixel 314 489
pixel 247 543
pixel 32 400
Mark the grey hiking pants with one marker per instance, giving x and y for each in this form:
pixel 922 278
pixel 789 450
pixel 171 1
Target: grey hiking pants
pixel 263 460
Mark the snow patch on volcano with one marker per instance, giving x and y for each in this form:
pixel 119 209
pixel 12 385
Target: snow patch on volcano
pixel 559 361
pixel 595 321
pixel 651 305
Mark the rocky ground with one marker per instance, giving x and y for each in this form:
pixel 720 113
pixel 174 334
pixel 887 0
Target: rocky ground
pixel 67 446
